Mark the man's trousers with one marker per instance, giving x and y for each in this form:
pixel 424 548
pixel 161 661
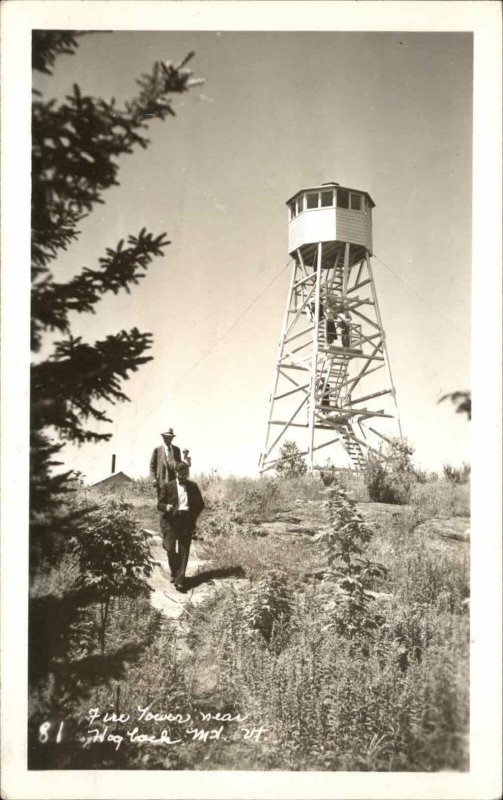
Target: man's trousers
pixel 176 541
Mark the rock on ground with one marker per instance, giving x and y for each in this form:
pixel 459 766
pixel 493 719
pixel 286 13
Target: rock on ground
pixel 453 528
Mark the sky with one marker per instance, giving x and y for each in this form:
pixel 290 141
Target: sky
pixel 386 113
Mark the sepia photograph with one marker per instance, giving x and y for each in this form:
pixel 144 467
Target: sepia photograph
pixel 249 501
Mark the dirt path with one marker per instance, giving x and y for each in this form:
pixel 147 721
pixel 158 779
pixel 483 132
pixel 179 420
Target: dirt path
pixel 165 598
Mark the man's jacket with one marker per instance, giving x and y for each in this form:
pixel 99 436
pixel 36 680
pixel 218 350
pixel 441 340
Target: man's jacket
pixel 169 495
pixel 160 470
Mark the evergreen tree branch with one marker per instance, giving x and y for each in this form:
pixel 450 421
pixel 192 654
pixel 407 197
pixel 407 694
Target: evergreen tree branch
pixel 66 386
pixel 48 45
pixel 75 145
pixel 121 267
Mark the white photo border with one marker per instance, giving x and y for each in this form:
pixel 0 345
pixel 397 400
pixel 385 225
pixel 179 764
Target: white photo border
pixel 483 19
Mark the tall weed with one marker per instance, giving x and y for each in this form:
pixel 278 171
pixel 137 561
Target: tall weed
pixel 327 705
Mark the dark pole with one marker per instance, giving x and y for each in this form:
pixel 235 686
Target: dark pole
pixel 113 464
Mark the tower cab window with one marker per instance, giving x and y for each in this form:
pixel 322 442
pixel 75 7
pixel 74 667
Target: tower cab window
pixel 356 202
pixel 327 199
pixel 342 199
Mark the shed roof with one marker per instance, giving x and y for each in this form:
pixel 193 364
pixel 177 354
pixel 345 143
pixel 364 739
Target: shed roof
pixel 328 186
pixel 117 477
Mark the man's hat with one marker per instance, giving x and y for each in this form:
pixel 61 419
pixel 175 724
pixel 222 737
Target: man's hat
pixel 169 432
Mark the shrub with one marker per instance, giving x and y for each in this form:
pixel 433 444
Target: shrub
pixel 457 474
pixel 390 474
pixel 290 463
pixel 114 557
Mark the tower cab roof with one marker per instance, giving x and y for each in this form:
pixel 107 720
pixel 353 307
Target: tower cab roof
pixel 330 185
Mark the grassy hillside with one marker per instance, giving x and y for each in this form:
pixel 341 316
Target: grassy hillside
pixel 271 645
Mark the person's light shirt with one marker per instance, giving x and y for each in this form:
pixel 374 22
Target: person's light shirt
pixel 169 453
pixel 183 500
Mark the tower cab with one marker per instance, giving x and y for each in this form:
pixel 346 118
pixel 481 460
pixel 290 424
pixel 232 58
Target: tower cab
pixel 330 213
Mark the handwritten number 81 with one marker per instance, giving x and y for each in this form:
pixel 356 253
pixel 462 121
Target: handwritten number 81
pixel 43 732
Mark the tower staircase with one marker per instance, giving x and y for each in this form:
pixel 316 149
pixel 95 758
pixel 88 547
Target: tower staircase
pixel 352 447
pixel 332 372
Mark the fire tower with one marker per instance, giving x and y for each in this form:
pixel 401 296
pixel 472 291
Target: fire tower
pixel 333 377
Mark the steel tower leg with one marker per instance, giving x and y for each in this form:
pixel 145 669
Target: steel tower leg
pixel 314 362
pixel 385 349
pixel 274 388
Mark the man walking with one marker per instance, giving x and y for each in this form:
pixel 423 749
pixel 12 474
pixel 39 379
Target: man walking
pixel 180 503
pixel 164 460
